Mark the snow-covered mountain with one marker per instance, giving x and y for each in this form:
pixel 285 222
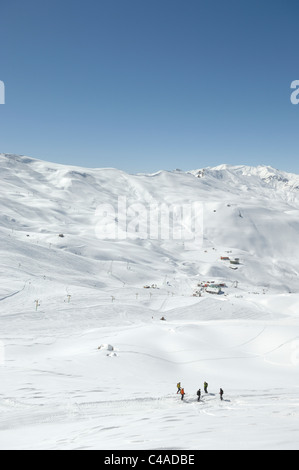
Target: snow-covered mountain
pixel 86 261
pixel 252 212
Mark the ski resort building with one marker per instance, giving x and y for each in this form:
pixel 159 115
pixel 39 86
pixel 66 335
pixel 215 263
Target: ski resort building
pixel 213 289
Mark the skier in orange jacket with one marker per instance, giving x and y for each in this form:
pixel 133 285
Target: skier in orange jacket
pixel 182 393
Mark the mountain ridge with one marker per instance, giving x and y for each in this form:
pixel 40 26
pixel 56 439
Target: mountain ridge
pixel 243 213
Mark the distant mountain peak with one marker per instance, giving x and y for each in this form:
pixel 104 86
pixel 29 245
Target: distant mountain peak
pixel 251 175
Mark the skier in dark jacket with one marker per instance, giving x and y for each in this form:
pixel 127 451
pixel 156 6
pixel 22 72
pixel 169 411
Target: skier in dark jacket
pixel 198 395
pixel 221 394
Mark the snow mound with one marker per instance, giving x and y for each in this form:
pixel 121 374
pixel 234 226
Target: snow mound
pixel 106 347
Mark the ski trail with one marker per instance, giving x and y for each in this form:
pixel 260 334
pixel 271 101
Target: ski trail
pixel 13 294
pixel 20 414
pixel 252 339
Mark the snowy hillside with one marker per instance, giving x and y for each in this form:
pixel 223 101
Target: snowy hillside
pixel 88 270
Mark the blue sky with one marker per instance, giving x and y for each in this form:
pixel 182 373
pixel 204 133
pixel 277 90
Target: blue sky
pixel 143 85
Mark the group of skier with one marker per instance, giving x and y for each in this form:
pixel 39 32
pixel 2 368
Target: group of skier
pixel 181 390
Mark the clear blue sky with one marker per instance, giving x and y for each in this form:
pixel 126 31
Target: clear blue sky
pixel 144 85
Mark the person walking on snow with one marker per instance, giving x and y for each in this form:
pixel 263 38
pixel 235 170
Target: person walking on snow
pixel 221 394
pixel 178 387
pixel 182 393
pixel 206 387
pixel 198 394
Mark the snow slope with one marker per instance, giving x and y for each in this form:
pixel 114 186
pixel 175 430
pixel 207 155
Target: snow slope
pixel 64 388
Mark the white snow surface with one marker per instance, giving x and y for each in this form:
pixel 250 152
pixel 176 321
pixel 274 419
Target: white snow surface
pixel 87 363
